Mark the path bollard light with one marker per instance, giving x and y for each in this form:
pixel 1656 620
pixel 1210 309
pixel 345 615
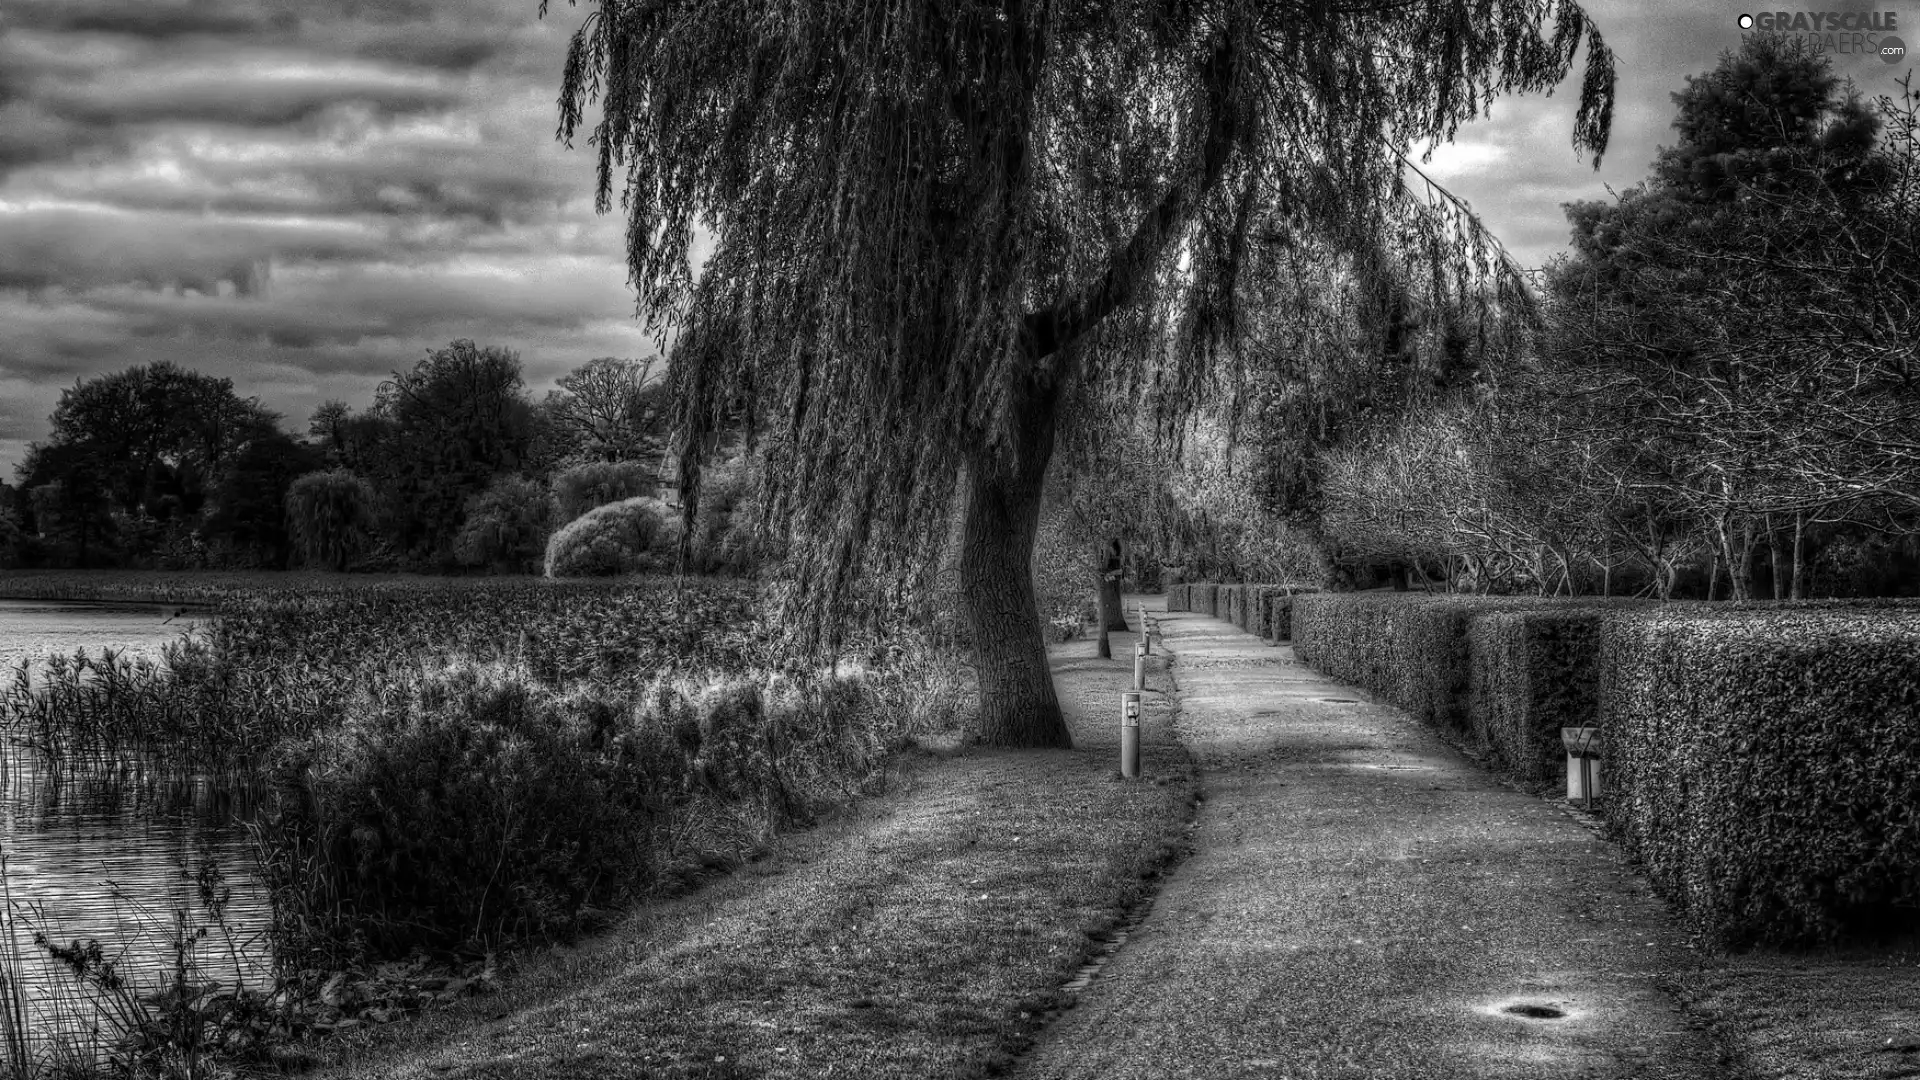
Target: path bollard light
pixel 1140 666
pixel 1146 635
pixel 1130 734
pixel 1583 763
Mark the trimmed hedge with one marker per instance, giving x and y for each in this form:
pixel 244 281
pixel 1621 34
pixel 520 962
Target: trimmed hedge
pixel 1410 648
pixel 1281 620
pixel 1204 595
pixel 1765 765
pixel 1531 673
pixel 1180 598
pixel 1234 607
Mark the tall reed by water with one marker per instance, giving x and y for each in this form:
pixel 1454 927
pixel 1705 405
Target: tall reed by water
pixel 468 764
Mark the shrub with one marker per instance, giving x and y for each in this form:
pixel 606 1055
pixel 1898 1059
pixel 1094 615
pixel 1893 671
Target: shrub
pixel 582 488
pixel 1765 766
pixel 506 527
pixel 1283 608
pixel 1204 598
pixel 470 802
pixel 633 536
pixel 461 806
pixel 1179 597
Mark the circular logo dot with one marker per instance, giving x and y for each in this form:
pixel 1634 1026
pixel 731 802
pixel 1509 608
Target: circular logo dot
pixel 1746 22
pixel 1892 49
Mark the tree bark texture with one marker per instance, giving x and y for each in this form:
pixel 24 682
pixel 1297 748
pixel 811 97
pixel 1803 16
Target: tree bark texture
pixel 1018 706
pixel 1799 557
pixel 1107 569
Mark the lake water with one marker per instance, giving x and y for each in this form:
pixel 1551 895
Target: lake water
pixel 109 858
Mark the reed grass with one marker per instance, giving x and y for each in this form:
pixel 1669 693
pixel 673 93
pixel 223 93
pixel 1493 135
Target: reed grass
pixel 652 702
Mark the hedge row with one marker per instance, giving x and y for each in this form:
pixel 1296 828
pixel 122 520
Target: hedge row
pixel 1766 765
pixel 1262 610
pixel 1763 759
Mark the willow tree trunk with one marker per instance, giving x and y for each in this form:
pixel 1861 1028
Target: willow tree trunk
pixel 1799 591
pixel 1110 609
pixel 1017 702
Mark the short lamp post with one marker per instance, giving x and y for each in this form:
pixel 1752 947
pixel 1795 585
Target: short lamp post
pixel 1140 666
pixel 1130 734
pixel 1583 763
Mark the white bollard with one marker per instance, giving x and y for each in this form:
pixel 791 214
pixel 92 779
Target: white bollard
pixel 1130 734
pixel 1583 763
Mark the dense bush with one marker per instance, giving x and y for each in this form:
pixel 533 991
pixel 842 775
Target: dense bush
pixel 506 527
pixel 1180 597
pixel 475 803
pixel 1765 766
pixel 1231 604
pixel 582 488
pixel 633 536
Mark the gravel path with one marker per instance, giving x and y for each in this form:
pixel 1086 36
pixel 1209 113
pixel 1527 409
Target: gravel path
pixel 1364 901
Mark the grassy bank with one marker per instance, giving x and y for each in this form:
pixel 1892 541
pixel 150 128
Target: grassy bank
pixel 460 766
pixel 923 933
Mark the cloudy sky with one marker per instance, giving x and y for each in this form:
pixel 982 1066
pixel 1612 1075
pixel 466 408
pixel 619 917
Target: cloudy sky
pixel 304 195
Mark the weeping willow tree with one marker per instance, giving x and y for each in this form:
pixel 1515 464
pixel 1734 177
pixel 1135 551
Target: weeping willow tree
pixel 937 225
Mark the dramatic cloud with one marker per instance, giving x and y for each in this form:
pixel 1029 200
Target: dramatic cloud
pixel 302 195
pixel 306 195
pixel 1517 166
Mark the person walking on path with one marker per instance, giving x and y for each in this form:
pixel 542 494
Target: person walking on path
pixel 1364 901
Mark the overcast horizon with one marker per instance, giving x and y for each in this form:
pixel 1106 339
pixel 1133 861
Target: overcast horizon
pixel 306 197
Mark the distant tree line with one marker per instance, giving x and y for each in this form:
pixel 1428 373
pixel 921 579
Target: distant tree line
pixel 452 467
pixel 1720 396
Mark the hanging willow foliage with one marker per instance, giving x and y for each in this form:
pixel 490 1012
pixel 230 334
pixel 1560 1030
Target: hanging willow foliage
pixel 935 222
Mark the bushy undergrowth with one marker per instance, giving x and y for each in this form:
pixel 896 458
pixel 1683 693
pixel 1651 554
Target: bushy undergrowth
pixel 462 762
pixel 476 803
pixel 1765 766
pixel 632 536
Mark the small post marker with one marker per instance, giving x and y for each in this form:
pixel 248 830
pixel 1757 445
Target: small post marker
pixel 1146 638
pixel 1130 734
pixel 1583 763
pixel 1140 666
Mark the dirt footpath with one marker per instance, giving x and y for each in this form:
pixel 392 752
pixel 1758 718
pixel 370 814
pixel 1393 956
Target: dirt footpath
pixel 1363 901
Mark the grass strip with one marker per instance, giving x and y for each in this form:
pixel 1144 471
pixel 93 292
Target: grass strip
pixel 925 933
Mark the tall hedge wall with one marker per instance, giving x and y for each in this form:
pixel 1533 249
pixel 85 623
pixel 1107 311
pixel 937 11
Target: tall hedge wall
pixel 1531 673
pixel 1765 765
pixel 1409 649
pixel 1179 597
pixel 1204 596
